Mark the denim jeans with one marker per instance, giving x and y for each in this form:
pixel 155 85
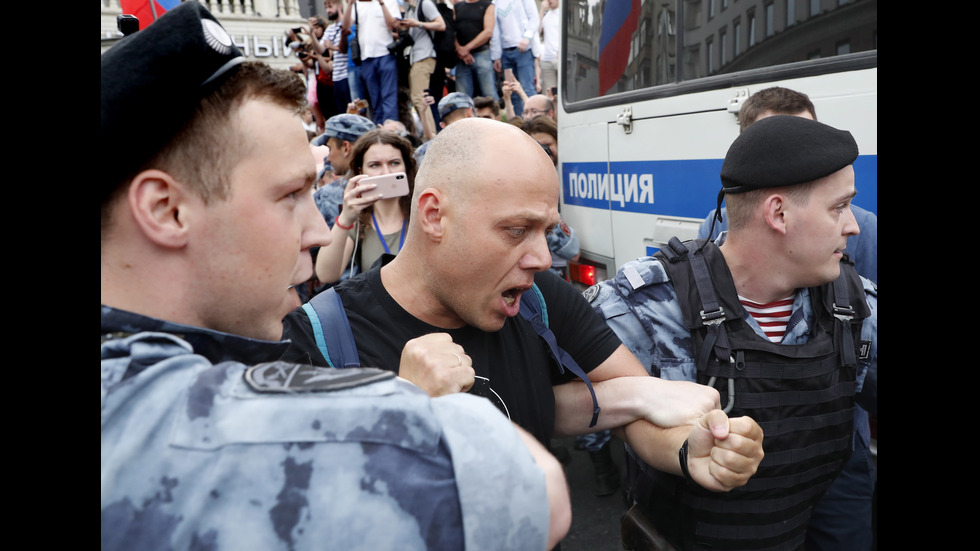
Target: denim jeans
pixel 522 63
pixel 477 77
pixel 380 78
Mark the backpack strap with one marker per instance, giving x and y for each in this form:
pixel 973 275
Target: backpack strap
pixel 326 309
pixel 535 310
pixel 420 12
pixel 704 308
pixel 849 307
pixel 712 314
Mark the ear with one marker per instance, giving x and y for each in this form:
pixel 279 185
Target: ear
pixel 431 211
pixel 774 212
pixel 158 203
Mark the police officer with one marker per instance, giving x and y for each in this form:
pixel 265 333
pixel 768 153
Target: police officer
pixel 703 312
pixel 844 515
pixel 453 107
pixel 207 439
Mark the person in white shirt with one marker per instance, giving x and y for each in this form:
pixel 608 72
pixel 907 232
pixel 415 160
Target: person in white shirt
pixel 551 43
pixel 516 25
pixel 376 20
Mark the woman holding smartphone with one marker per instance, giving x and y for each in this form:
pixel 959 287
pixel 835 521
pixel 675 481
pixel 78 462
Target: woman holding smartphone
pixel 377 204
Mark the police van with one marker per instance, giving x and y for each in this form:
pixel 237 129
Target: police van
pixel 649 99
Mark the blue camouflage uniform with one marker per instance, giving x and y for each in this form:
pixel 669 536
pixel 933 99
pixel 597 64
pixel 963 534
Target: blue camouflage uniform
pixel 329 198
pixel 641 306
pixel 201 451
pixel 564 245
pixel 662 343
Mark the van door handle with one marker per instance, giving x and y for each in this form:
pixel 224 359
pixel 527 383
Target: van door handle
pixel 625 119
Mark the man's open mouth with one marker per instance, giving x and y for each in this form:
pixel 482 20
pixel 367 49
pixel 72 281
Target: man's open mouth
pixel 512 295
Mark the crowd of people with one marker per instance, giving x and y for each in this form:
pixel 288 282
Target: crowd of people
pixel 293 359
pixel 390 60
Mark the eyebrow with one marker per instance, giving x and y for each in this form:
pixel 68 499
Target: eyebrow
pixel 848 196
pixel 525 217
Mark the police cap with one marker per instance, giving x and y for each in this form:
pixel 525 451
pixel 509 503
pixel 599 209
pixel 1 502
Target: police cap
pixel 152 83
pixel 454 101
pixel 346 126
pixel 785 150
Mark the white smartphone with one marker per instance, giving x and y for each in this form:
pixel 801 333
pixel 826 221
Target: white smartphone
pixel 389 185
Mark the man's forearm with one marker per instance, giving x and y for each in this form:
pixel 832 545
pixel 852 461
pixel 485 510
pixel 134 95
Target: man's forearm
pixel 574 406
pixel 656 446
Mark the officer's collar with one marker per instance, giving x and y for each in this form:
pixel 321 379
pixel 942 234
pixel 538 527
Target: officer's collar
pixel 213 345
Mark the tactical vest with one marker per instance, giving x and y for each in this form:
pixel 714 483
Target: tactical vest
pixel 801 395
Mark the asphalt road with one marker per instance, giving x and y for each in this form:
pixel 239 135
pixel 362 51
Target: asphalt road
pixel 595 520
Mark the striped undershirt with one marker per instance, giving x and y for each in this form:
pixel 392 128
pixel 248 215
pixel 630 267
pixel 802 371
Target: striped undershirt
pixel 772 317
pixel 333 34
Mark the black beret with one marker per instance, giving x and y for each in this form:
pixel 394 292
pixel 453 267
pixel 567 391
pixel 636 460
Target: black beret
pixel 153 81
pixel 785 150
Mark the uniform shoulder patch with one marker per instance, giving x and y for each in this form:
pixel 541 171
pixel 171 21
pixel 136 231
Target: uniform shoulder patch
pixel 286 377
pixel 564 228
pixel 591 293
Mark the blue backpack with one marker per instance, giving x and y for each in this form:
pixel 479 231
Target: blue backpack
pixel 338 347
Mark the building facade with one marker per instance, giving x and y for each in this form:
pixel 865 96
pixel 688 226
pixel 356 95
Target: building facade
pixel 258 27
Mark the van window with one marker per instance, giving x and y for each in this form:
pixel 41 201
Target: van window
pixel 617 46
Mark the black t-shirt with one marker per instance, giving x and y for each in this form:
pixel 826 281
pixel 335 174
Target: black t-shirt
pixel 515 360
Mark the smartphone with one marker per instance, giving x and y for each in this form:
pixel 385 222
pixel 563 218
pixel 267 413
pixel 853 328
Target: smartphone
pixel 509 75
pixel 389 185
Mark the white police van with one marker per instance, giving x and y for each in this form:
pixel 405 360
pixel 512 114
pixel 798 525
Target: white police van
pixel 649 96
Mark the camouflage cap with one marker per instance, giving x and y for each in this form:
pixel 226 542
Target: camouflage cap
pixel 345 127
pixel 152 83
pixel 454 101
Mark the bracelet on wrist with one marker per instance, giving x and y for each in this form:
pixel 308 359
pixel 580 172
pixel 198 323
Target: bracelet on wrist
pixel 682 457
pixel 341 226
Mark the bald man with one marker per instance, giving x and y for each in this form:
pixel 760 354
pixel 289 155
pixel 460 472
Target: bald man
pixel 539 104
pixel 476 247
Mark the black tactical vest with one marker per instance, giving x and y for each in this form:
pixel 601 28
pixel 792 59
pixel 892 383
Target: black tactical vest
pixel 801 395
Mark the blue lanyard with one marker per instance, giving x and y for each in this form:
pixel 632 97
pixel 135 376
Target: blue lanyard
pixel 384 242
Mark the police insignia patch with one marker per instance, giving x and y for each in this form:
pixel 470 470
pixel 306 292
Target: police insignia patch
pixel 565 229
pixel 216 36
pixel 591 293
pixel 285 377
pixel 864 350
